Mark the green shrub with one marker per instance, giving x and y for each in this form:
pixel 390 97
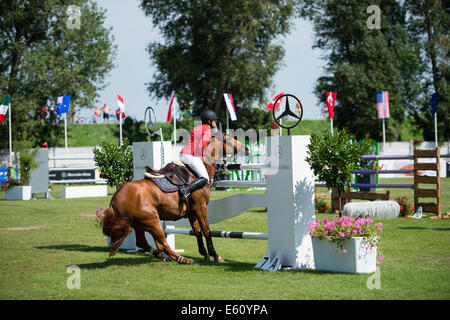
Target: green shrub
pixel 27 160
pixel 115 162
pixel 334 157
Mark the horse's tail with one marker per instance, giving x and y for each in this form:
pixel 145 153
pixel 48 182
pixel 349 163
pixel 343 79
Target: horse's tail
pixel 117 226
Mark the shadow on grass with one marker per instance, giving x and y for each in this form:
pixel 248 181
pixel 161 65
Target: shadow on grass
pixel 75 247
pixel 424 228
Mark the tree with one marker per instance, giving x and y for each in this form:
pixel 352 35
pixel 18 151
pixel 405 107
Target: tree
pixel 217 47
pixel 362 61
pixel 333 157
pixel 45 55
pixel 429 22
pixel 115 162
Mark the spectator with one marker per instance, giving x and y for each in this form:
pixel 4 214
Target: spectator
pixel 96 114
pixel 106 109
pixel 43 114
pixel 117 114
pixel 73 114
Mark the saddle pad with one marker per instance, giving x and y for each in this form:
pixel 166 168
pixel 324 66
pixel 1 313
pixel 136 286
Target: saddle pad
pixel 164 185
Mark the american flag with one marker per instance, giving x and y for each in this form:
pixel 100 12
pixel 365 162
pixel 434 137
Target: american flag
pixel 383 105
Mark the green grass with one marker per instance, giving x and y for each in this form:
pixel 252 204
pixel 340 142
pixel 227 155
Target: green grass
pixel 33 263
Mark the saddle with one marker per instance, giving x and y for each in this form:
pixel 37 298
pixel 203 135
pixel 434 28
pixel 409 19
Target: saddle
pixel 171 177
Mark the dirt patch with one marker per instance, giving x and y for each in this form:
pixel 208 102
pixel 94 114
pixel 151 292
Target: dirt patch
pixel 20 228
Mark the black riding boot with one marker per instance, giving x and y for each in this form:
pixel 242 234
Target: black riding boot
pixel 195 185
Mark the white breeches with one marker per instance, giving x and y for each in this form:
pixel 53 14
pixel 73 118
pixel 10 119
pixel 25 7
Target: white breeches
pixel 195 163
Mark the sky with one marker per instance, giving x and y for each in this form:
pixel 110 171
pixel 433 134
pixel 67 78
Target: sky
pixel 133 31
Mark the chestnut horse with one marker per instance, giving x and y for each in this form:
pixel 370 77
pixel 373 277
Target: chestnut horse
pixel 141 205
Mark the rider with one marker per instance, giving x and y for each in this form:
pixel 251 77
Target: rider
pixel 194 150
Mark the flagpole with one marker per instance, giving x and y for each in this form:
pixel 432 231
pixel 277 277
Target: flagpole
pixel 228 127
pixel 174 126
pixel 120 121
pixel 10 134
pixel 331 126
pixel 435 130
pixel 65 134
pixel 384 136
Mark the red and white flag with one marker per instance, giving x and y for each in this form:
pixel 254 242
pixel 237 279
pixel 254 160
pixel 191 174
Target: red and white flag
pixel 230 106
pixel 331 99
pixel 270 105
pixel 169 114
pixel 383 105
pixel 120 103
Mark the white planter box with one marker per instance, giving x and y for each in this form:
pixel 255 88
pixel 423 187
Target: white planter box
pixel 356 260
pixel 84 192
pixel 18 193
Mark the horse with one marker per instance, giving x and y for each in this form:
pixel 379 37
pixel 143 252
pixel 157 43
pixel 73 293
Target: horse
pixel 141 205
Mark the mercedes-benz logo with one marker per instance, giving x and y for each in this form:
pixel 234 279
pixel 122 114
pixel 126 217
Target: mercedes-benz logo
pixel 143 154
pixel 297 114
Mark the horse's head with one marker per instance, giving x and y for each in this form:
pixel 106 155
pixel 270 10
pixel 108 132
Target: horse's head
pixel 222 146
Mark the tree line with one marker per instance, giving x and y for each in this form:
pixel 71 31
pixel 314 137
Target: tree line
pixel 232 46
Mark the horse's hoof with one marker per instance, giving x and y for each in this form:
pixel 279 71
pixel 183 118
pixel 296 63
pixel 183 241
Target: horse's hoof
pixel 209 258
pixel 218 259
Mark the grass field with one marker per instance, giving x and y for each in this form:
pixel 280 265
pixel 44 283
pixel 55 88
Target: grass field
pixel 39 239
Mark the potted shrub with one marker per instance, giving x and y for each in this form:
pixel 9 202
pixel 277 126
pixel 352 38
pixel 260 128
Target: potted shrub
pixel 345 244
pixel 333 157
pixel 115 162
pixel 21 189
pixel 406 206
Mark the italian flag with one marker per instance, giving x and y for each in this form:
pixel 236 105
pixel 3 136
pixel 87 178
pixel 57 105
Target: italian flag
pixel 4 108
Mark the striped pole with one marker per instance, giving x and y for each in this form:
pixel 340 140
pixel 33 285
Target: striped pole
pixel 241 183
pixel 221 234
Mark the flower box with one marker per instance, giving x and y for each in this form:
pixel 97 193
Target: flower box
pixel 355 257
pixel 18 193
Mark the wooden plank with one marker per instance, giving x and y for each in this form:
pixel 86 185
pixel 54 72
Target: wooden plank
pixel 427 207
pixel 427 193
pixel 425 179
pixel 426 153
pixel 425 166
pixel 367 195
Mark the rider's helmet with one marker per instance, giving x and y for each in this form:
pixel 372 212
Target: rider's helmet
pixel 208 115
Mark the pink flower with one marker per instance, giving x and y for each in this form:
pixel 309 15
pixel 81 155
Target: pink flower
pixel 344 251
pixel 341 234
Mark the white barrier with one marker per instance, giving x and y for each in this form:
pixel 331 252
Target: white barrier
pixel 84 192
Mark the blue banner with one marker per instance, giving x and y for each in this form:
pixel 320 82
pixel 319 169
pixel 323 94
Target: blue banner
pixel 62 105
pixel 434 103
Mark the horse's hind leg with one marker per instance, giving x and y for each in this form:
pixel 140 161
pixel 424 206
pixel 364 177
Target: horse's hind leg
pixel 141 241
pixel 198 234
pixel 158 235
pixel 202 216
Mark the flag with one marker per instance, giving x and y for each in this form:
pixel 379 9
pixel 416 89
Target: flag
pixel 230 106
pixel 169 115
pixel 434 103
pixel 62 104
pixel 120 103
pixel 331 99
pixel 270 105
pixel 383 105
pixel 4 107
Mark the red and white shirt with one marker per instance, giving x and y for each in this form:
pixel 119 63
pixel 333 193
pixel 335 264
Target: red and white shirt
pixel 199 138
